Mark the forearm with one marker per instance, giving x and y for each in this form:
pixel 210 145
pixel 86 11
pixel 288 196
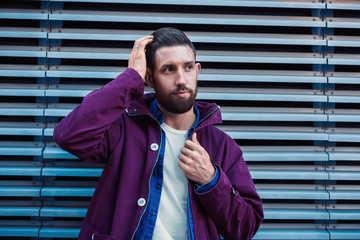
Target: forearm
pixel 84 129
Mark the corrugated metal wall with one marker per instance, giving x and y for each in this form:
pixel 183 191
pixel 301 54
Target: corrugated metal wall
pixel 285 73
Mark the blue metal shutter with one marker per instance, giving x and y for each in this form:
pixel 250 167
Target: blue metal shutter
pixel 285 73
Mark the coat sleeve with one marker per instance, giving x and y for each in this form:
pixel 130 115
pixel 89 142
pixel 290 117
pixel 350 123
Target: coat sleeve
pixel 233 204
pixel 84 132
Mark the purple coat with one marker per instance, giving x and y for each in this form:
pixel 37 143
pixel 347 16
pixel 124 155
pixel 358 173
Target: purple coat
pixel 114 125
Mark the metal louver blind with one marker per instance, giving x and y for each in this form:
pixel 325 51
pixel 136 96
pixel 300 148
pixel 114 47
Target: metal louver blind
pixel 285 73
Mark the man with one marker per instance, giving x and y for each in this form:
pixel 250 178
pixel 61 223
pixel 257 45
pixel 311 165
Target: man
pixel 170 174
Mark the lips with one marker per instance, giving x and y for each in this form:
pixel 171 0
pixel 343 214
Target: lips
pixel 182 93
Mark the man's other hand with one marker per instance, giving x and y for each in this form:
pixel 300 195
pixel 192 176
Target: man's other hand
pixel 195 162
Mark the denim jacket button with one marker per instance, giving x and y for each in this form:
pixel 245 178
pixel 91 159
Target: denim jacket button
pixel 141 202
pixel 154 146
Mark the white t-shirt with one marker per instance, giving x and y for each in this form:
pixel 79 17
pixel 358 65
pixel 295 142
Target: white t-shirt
pixel 171 222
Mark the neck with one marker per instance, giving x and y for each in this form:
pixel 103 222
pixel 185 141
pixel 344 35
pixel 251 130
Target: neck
pixel 182 121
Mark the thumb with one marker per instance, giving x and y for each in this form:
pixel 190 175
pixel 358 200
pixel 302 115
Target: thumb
pixel 194 139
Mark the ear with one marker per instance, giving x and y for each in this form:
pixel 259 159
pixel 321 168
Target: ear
pixel 149 78
pixel 198 69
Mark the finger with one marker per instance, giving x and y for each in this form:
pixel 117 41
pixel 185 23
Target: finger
pixel 141 43
pixel 186 151
pixel 194 138
pixel 189 144
pixel 183 158
pixel 182 165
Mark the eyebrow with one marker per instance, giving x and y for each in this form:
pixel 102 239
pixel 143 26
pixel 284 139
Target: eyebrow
pixel 166 66
pixel 190 62
pixel 171 65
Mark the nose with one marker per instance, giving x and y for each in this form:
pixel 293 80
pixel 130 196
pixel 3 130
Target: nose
pixel 180 77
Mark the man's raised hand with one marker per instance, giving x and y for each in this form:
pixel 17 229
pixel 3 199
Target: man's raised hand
pixel 137 59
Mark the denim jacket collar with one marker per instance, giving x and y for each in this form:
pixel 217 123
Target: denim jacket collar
pixel 154 109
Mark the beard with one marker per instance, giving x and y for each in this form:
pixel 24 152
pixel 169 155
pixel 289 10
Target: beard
pixel 173 104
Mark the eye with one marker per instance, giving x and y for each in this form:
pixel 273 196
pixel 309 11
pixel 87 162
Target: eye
pixel 168 69
pixel 189 67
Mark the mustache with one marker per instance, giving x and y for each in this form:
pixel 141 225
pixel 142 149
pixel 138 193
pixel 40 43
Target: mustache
pixel 181 89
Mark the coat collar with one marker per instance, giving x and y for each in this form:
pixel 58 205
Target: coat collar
pixel 209 112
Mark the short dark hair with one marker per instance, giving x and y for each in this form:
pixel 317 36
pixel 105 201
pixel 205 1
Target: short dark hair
pixel 166 37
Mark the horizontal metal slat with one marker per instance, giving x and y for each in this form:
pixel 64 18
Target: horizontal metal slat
pixel 21 131
pixel 234 114
pixel 296 214
pixel 344 156
pixel 343 77
pixel 343 22
pixel 259 116
pixel 293 194
pixel 211 94
pixel 67 191
pixel 230 3
pixel 10 231
pixel 21 128
pixel 343 59
pixel 228 75
pixel 202 56
pixel 31 90
pixel 344 194
pixel 15 70
pixel 285 234
pixel 18 111
pixel 57 112
pixel 343 41
pixel 28 14
pixel 185 18
pixel 55 152
pixel 20 211
pixel 22 51
pixel 66 93
pixel 16 191
pixel 278 136
pixel 284 156
pixel 74 172
pixel 203 37
pixel 339 172
pixel 343 4
pixel 82 74
pixel 260 97
pixel 344 117
pixel 344 215
pixel 63 212
pixel 59 232
pixel 344 234
pixel 342 96
pixel 17 32
pixel 344 137
pixel 289 174
pixel 20 171
pixel 261 76
pixel 289 133
pixel 20 151
pixel 341 175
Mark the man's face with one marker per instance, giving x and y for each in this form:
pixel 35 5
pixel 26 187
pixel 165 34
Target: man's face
pixel 175 78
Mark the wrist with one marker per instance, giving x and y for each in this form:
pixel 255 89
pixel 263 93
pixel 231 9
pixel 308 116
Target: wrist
pixel 211 184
